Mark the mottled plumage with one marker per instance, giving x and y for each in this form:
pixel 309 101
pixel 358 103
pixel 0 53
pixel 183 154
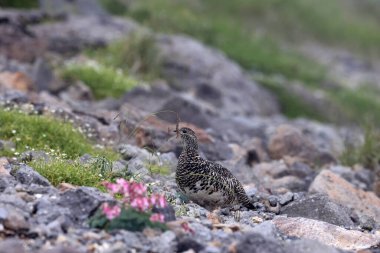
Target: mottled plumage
pixel 206 183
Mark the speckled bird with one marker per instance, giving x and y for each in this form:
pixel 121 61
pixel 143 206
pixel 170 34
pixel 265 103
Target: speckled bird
pixel 206 183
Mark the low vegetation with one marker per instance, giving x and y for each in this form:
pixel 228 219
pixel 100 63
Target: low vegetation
pixel 263 36
pixel 343 23
pixel 22 4
pixel 134 213
pixel 360 105
pixel 291 105
pixel 158 169
pixel 103 81
pixel 35 132
pixel 63 145
pixel 367 153
pixel 135 54
pixel 59 170
pixel 213 24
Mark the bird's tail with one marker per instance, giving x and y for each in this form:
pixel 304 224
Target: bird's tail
pixel 244 199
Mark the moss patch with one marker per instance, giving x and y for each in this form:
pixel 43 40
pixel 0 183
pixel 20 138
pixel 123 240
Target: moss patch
pixel 44 133
pixel 216 24
pixel 136 54
pixel 367 154
pixel 102 80
pixel 73 172
pixel 22 4
pixel 158 169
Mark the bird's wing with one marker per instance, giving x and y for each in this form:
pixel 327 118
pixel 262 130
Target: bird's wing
pixel 224 175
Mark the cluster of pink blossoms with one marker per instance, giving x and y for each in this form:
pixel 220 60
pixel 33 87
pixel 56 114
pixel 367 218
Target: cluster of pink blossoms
pixel 135 196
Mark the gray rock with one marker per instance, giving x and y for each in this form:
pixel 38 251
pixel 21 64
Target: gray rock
pixel 138 167
pixel 169 159
pixel 149 98
pixel 202 234
pixel 16 246
pixel 273 200
pixel 361 178
pixel 211 249
pixel 43 76
pixel 13 97
pixel 63 249
pixel 367 223
pixel 189 110
pixel 129 152
pixel 165 242
pixel 47 210
pixel 82 202
pixel 81 7
pixel 325 233
pixel 266 229
pixel 319 207
pixel 168 212
pixel 73 34
pixel 26 175
pixel 119 166
pixel 189 65
pixel 257 243
pixel 10 199
pixel 188 243
pixel 52 229
pixel 29 156
pixel 6 182
pixel 14 220
pixel 286 198
pixel 304 245
pixel 342 192
pixel 216 151
pixel 327 138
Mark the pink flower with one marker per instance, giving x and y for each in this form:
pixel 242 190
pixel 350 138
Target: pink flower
pixel 158 200
pixel 112 188
pixel 140 203
pixel 157 217
pixel 185 226
pixel 123 185
pixel 137 189
pixel 111 212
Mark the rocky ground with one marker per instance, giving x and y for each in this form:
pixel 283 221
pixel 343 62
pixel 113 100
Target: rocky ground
pixel 307 201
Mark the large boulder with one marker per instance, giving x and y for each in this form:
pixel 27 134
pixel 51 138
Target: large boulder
pixel 342 192
pixel 191 66
pixel 289 141
pixel 326 233
pixel 319 207
pixel 27 175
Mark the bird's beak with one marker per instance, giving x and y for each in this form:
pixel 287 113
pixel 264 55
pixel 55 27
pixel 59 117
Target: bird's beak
pixel 175 131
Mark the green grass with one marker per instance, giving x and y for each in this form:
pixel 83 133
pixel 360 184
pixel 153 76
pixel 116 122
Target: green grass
pixel 44 133
pixel 116 7
pixel 117 68
pixel 252 32
pixel 63 171
pixel 359 106
pixel 366 154
pixel 337 22
pixel 216 26
pixel 136 54
pixel 291 105
pixel 158 169
pixel 103 81
pixel 353 106
pixel 22 4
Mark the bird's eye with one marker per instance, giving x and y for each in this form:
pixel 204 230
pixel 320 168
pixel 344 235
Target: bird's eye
pixel 183 131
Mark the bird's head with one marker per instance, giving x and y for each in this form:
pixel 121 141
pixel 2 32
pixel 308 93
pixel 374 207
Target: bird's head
pixel 188 137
